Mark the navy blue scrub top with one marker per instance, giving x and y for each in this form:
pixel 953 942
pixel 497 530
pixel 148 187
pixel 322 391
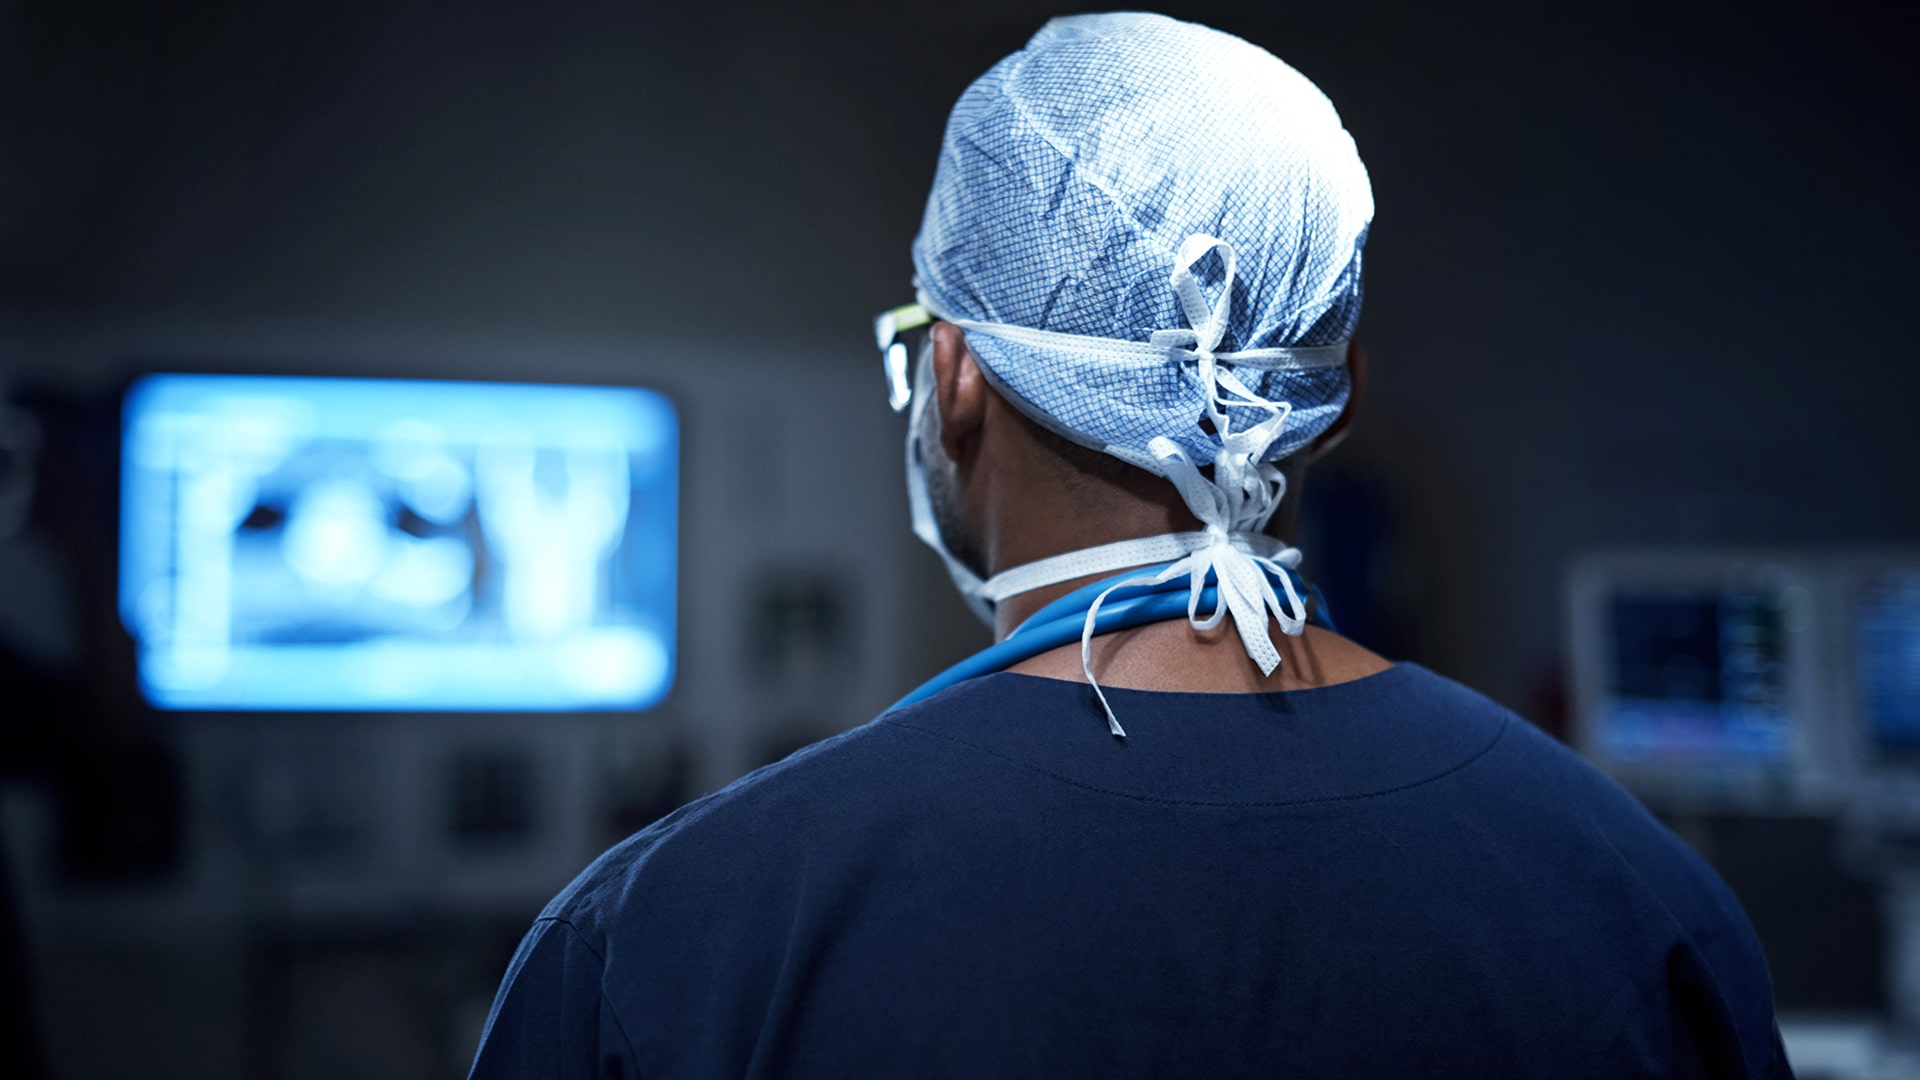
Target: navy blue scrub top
pixel 1393 877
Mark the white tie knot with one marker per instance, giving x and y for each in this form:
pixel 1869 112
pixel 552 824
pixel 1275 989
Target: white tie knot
pixel 1234 505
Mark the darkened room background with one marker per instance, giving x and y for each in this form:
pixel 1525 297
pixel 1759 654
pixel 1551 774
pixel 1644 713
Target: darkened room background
pixel 1639 276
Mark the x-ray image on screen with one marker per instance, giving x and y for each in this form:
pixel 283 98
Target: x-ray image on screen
pixel 352 544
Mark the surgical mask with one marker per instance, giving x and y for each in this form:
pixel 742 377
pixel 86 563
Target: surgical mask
pixel 926 524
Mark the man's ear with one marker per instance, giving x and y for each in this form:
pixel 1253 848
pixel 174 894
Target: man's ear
pixel 1357 376
pixel 960 392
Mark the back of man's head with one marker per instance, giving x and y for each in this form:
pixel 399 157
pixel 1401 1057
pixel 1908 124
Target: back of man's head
pixel 1149 233
pixel 1071 175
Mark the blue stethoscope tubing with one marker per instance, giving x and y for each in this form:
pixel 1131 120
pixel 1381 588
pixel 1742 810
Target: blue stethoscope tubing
pixel 1064 620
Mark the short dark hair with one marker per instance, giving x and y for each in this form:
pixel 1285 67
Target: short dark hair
pixel 1086 461
pixel 1080 465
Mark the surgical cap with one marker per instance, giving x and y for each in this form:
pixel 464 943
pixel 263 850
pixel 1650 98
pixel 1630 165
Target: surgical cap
pixel 1070 175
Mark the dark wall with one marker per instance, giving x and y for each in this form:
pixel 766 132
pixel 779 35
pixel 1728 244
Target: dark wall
pixel 1640 275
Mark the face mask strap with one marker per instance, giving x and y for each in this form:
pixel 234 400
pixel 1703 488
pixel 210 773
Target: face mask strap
pixel 926 524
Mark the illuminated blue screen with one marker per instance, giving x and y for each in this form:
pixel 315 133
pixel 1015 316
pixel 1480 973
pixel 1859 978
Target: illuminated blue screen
pixel 352 544
pixel 1889 662
pixel 1697 677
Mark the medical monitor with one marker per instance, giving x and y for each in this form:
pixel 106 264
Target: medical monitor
pixel 1879 666
pixel 372 544
pixel 1699 678
pixel 1886 661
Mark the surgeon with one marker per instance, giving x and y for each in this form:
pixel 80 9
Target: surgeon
pixel 1171 823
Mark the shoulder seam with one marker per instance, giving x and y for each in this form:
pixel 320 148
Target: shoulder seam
pixel 580 936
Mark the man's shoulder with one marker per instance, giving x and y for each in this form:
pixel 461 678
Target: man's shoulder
pixel 1555 797
pixel 748 822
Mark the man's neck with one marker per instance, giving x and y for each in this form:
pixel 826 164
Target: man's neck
pixel 1030 523
pixel 1072 533
pixel 1085 532
pixel 1173 656
pixel 1014 610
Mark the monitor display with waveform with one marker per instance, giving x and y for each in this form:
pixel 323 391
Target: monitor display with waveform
pixel 1697 676
pixel 1887 662
pixel 381 544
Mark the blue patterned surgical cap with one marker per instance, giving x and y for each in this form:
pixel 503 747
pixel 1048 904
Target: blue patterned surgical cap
pixel 1072 172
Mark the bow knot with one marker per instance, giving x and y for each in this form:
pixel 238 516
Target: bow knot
pixel 1233 506
pixel 1209 321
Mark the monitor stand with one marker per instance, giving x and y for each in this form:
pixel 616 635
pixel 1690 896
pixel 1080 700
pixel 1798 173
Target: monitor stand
pixel 1888 854
pixel 1902 900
